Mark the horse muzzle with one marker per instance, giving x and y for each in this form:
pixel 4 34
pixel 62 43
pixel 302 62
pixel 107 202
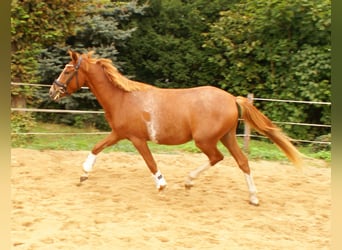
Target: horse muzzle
pixel 56 93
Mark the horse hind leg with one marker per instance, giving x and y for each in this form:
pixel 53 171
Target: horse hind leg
pixel 230 142
pixel 214 156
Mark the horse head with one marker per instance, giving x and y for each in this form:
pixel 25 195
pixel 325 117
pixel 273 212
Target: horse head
pixel 71 78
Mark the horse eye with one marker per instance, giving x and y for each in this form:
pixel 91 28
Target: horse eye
pixel 66 73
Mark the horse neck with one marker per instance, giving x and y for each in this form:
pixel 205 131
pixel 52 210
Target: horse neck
pixel 107 94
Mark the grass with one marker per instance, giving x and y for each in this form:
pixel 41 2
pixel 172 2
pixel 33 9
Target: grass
pixel 258 149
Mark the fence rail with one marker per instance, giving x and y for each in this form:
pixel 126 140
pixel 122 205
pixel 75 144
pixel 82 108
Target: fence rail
pixel 35 85
pixel 247 134
pixel 58 111
pixel 291 101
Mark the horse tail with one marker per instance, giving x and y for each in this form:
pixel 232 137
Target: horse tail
pixel 252 116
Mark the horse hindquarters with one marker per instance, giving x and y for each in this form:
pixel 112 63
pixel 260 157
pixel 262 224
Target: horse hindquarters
pixel 263 125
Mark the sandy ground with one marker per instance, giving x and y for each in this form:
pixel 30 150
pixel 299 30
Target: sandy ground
pixel 119 207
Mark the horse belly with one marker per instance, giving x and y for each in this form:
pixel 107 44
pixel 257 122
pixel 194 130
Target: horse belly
pixel 168 129
pixel 173 134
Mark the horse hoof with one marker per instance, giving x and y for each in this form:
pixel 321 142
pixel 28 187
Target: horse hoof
pixel 188 184
pixel 254 201
pixel 161 188
pixel 83 178
pixel 254 204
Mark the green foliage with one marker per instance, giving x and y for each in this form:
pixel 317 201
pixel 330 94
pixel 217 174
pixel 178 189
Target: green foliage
pixel 21 123
pixel 166 49
pixel 36 24
pixel 274 49
pixel 104 26
pixel 323 146
pixel 277 49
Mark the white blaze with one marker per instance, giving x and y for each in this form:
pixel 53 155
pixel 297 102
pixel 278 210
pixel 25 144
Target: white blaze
pixel 66 66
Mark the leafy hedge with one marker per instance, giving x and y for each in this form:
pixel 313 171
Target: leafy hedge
pixel 274 49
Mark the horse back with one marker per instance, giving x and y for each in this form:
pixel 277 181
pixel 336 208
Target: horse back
pixel 194 112
pixel 175 116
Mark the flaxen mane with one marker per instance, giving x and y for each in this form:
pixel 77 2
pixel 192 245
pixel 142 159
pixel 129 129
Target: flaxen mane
pixel 115 77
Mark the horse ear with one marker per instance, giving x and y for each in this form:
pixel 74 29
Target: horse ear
pixel 74 55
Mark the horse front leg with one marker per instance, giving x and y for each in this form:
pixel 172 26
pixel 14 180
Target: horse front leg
pixel 90 161
pixel 142 147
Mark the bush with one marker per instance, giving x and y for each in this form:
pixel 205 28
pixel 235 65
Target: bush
pixel 316 147
pixel 21 123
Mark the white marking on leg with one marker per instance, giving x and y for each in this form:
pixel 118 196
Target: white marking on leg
pixel 252 189
pixel 89 163
pixel 159 180
pixel 195 173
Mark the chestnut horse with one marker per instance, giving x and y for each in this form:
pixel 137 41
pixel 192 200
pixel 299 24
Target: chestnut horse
pixel 140 112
